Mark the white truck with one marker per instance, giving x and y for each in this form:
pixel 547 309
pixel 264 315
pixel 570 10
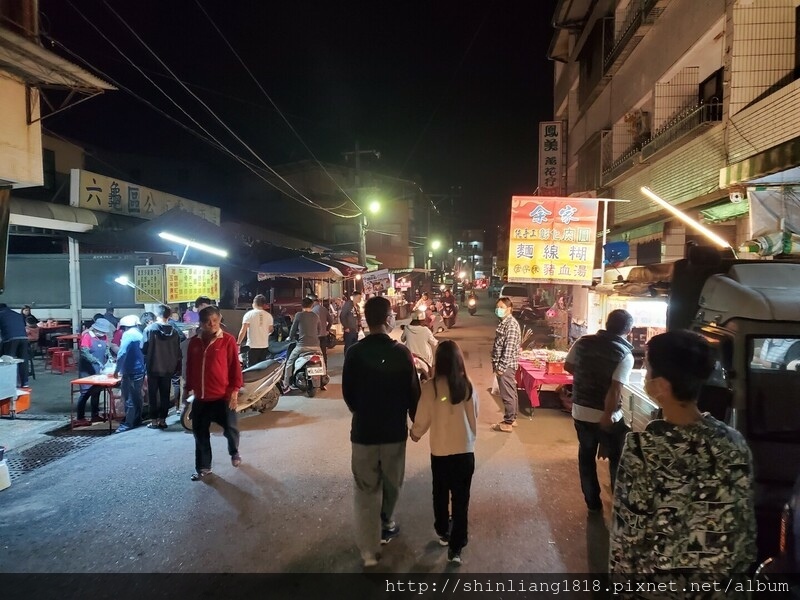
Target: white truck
pixel 749 311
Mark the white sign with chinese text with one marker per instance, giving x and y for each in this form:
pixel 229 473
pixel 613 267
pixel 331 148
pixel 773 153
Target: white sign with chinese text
pixel 108 194
pixel 551 140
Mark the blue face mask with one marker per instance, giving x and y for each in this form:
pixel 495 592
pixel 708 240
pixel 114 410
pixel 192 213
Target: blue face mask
pixel 500 312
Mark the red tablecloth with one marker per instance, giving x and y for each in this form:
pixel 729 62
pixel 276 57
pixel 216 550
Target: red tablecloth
pixel 531 379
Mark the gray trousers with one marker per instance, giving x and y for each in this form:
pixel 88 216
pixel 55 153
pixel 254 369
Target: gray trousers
pixel 288 369
pixel 508 394
pixel 378 475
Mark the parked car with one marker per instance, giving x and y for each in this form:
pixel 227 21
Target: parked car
pixel 518 293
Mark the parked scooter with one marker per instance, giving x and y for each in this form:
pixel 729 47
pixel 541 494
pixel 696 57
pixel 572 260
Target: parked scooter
pixel 259 392
pixel 472 305
pixel 309 373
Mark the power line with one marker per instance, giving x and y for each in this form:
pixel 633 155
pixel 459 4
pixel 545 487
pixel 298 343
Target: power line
pixel 218 119
pixel 444 94
pixel 272 102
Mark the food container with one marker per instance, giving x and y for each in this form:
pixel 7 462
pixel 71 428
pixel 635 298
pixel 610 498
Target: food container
pixel 555 368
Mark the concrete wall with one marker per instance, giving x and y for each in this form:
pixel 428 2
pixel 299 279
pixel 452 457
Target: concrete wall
pixel 20 143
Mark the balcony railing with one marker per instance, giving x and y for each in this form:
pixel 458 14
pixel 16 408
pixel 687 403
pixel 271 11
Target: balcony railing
pixel 680 125
pixel 625 162
pixel 637 14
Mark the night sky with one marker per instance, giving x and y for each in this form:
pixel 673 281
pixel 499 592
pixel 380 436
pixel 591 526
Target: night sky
pixel 450 92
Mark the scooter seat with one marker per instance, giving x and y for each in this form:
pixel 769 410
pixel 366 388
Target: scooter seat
pixel 260 370
pixel 278 347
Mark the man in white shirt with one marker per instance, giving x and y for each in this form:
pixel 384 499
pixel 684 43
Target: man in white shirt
pixel 601 364
pixel 256 325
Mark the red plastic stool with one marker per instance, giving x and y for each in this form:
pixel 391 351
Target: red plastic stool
pixel 48 360
pixel 63 361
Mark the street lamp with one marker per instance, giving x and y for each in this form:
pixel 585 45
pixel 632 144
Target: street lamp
pixel 436 244
pixel 171 237
pixel 374 207
pixel 123 280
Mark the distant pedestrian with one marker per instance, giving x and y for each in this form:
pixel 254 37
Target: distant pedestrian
pixel 110 316
pixel 350 318
pixel 448 406
pixel 257 325
pixel 305 328
pixel 600 364
pixel 15 340
pixel 325 322
pixel 381 389
pixel 505 360
pixel 683 500
pixel 130 364
pixel 214 375
pixel 94 355
pixel 162 352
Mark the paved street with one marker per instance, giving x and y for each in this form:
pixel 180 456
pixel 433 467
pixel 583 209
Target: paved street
pixel 126 503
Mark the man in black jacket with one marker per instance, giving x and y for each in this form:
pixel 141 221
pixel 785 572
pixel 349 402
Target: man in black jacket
pixel 601 364
pixel 381 389
pixel 162 354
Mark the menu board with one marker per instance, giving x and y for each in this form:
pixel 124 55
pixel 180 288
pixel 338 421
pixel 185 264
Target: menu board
pixel 185 283
pixel 552 240
pixel 149 280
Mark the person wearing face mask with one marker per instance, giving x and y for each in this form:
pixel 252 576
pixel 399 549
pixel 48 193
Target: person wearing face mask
pixel 505 360
pixel 381 389
pixel 683 500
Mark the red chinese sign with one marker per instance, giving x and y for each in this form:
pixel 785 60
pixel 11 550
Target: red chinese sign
pixel 552 240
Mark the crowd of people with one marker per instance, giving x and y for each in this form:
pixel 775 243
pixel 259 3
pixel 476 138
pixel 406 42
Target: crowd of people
pixel 682 489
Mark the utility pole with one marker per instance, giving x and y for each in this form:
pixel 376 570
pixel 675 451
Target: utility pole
pixel 362 219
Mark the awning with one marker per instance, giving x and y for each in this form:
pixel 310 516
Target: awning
pixel 143 237
pixel 36 65
pixel 297 268
pixel 725 212
pixel 46 215
pixel 778 158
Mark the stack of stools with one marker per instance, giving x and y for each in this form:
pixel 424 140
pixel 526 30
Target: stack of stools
pixel 62 360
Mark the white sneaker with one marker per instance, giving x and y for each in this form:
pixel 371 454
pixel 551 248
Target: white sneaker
pixel 370 561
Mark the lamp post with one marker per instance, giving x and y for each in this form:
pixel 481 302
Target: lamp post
pixel 123 280
pixel 171 237
pixel 374 207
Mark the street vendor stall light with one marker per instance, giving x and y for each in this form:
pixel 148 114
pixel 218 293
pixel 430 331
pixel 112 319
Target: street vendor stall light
pixel 685 218
pixel 374 207
pixel 436 244
pixel 192 244
pixel 123 280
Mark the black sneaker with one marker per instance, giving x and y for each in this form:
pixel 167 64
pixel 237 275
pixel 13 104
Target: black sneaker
pixel 389 533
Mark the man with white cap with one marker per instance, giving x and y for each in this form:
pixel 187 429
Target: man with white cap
pixel 130 364
pixel 94 354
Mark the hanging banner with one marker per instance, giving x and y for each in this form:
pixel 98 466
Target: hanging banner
pixel 552 240
pixel 149 280
pixel 550 158
pixel 185 283
pixel 376 282
pixel 108 194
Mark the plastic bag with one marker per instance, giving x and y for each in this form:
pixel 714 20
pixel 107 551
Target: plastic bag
pixel 108 368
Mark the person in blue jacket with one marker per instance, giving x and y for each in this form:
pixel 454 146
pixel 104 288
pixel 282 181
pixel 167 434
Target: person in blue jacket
pixel 130 364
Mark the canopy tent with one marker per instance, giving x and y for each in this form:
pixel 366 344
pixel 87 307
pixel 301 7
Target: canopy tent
pixel 300 267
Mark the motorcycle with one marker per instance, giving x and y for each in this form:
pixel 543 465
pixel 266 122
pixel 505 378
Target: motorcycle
pixel 424 370
pixel 449 314
pixel 472 305
pixel 309 373
pixel 259 392
pixel 435 321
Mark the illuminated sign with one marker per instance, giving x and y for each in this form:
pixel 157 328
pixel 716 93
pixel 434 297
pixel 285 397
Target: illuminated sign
pixel 185 283
pixel 552 240
pixel 150 278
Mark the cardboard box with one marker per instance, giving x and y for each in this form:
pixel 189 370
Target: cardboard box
pixel 22 404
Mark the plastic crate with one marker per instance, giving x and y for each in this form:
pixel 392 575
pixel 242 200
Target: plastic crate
pixel 23 402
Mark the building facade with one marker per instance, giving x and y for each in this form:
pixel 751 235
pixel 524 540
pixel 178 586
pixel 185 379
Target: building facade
pixel 691 98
